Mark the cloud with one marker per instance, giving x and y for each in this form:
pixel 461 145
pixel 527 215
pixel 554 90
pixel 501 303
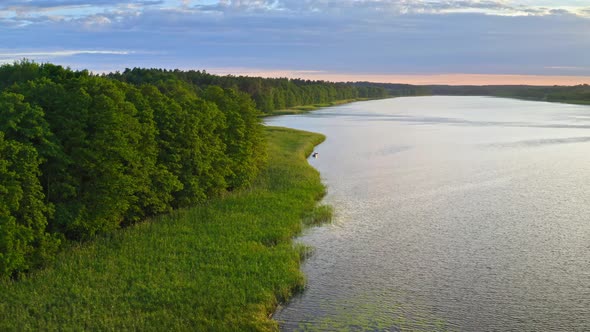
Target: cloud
pixel 23 13
pixel 79 8
pixel 59 53
pixel 12 56
pixel 339 36
pixel 56 4
pixel 101 13
pixel 96 21
pixel 392 7
pixel 342 6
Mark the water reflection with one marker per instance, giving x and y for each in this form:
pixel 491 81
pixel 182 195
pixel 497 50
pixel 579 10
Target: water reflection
pixel 542 142
pixel 453 213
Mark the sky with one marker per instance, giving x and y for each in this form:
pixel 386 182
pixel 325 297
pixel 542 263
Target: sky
pixel 407 41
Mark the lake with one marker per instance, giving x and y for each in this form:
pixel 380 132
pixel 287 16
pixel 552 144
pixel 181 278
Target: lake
pixel 452 213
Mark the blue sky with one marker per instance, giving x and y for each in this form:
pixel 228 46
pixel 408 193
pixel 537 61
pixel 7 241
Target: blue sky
pixel 332 39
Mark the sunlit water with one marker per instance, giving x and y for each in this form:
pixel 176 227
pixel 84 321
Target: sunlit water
pixel 452 213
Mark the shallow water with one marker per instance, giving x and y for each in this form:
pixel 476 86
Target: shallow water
pixel 452 213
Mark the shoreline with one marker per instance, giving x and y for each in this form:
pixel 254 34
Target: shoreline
pixel 302 109
pixel 567 102
pixel 225 265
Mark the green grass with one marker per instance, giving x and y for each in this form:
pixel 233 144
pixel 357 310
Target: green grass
pixel 321 214
pixel 309 108
pixel 219 267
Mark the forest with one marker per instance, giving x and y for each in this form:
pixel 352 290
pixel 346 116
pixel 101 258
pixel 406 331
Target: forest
pixel 82 155
pixel 269 94
pixel 579 94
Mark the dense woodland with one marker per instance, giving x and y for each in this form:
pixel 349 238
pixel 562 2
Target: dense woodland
pixel 398 90
pixel 269 94
pixel 82 155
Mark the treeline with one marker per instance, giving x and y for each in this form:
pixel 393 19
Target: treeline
pixel 570 94
pixel 269 94
pixel 579 94
pixel 396 89
pixel 81 154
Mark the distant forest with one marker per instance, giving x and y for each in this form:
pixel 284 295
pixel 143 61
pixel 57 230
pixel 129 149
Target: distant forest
pixel 269 94
pixel 82 154
pixel 579 94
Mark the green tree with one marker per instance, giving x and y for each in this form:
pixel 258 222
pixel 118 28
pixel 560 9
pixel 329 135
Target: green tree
pixel 24 242
pixel 191 146
pixel 156 184
pixel 242 137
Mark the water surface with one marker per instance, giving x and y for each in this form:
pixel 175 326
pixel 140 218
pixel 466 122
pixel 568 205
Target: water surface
pixel 452 213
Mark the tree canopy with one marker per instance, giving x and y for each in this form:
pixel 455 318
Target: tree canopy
pixel 82 155
pixel 269 94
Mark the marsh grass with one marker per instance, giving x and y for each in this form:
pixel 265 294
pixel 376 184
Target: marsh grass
pixel 223 266
pixel 320 214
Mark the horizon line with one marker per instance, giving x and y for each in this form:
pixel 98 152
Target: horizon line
pixel 455 79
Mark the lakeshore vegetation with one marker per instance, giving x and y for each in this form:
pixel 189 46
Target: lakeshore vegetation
pixel 82 155
pixel 220 266
pixel 84 158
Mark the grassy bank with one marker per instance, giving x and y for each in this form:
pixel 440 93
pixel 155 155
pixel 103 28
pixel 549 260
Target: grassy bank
pixel 309 108
pixel 219 267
